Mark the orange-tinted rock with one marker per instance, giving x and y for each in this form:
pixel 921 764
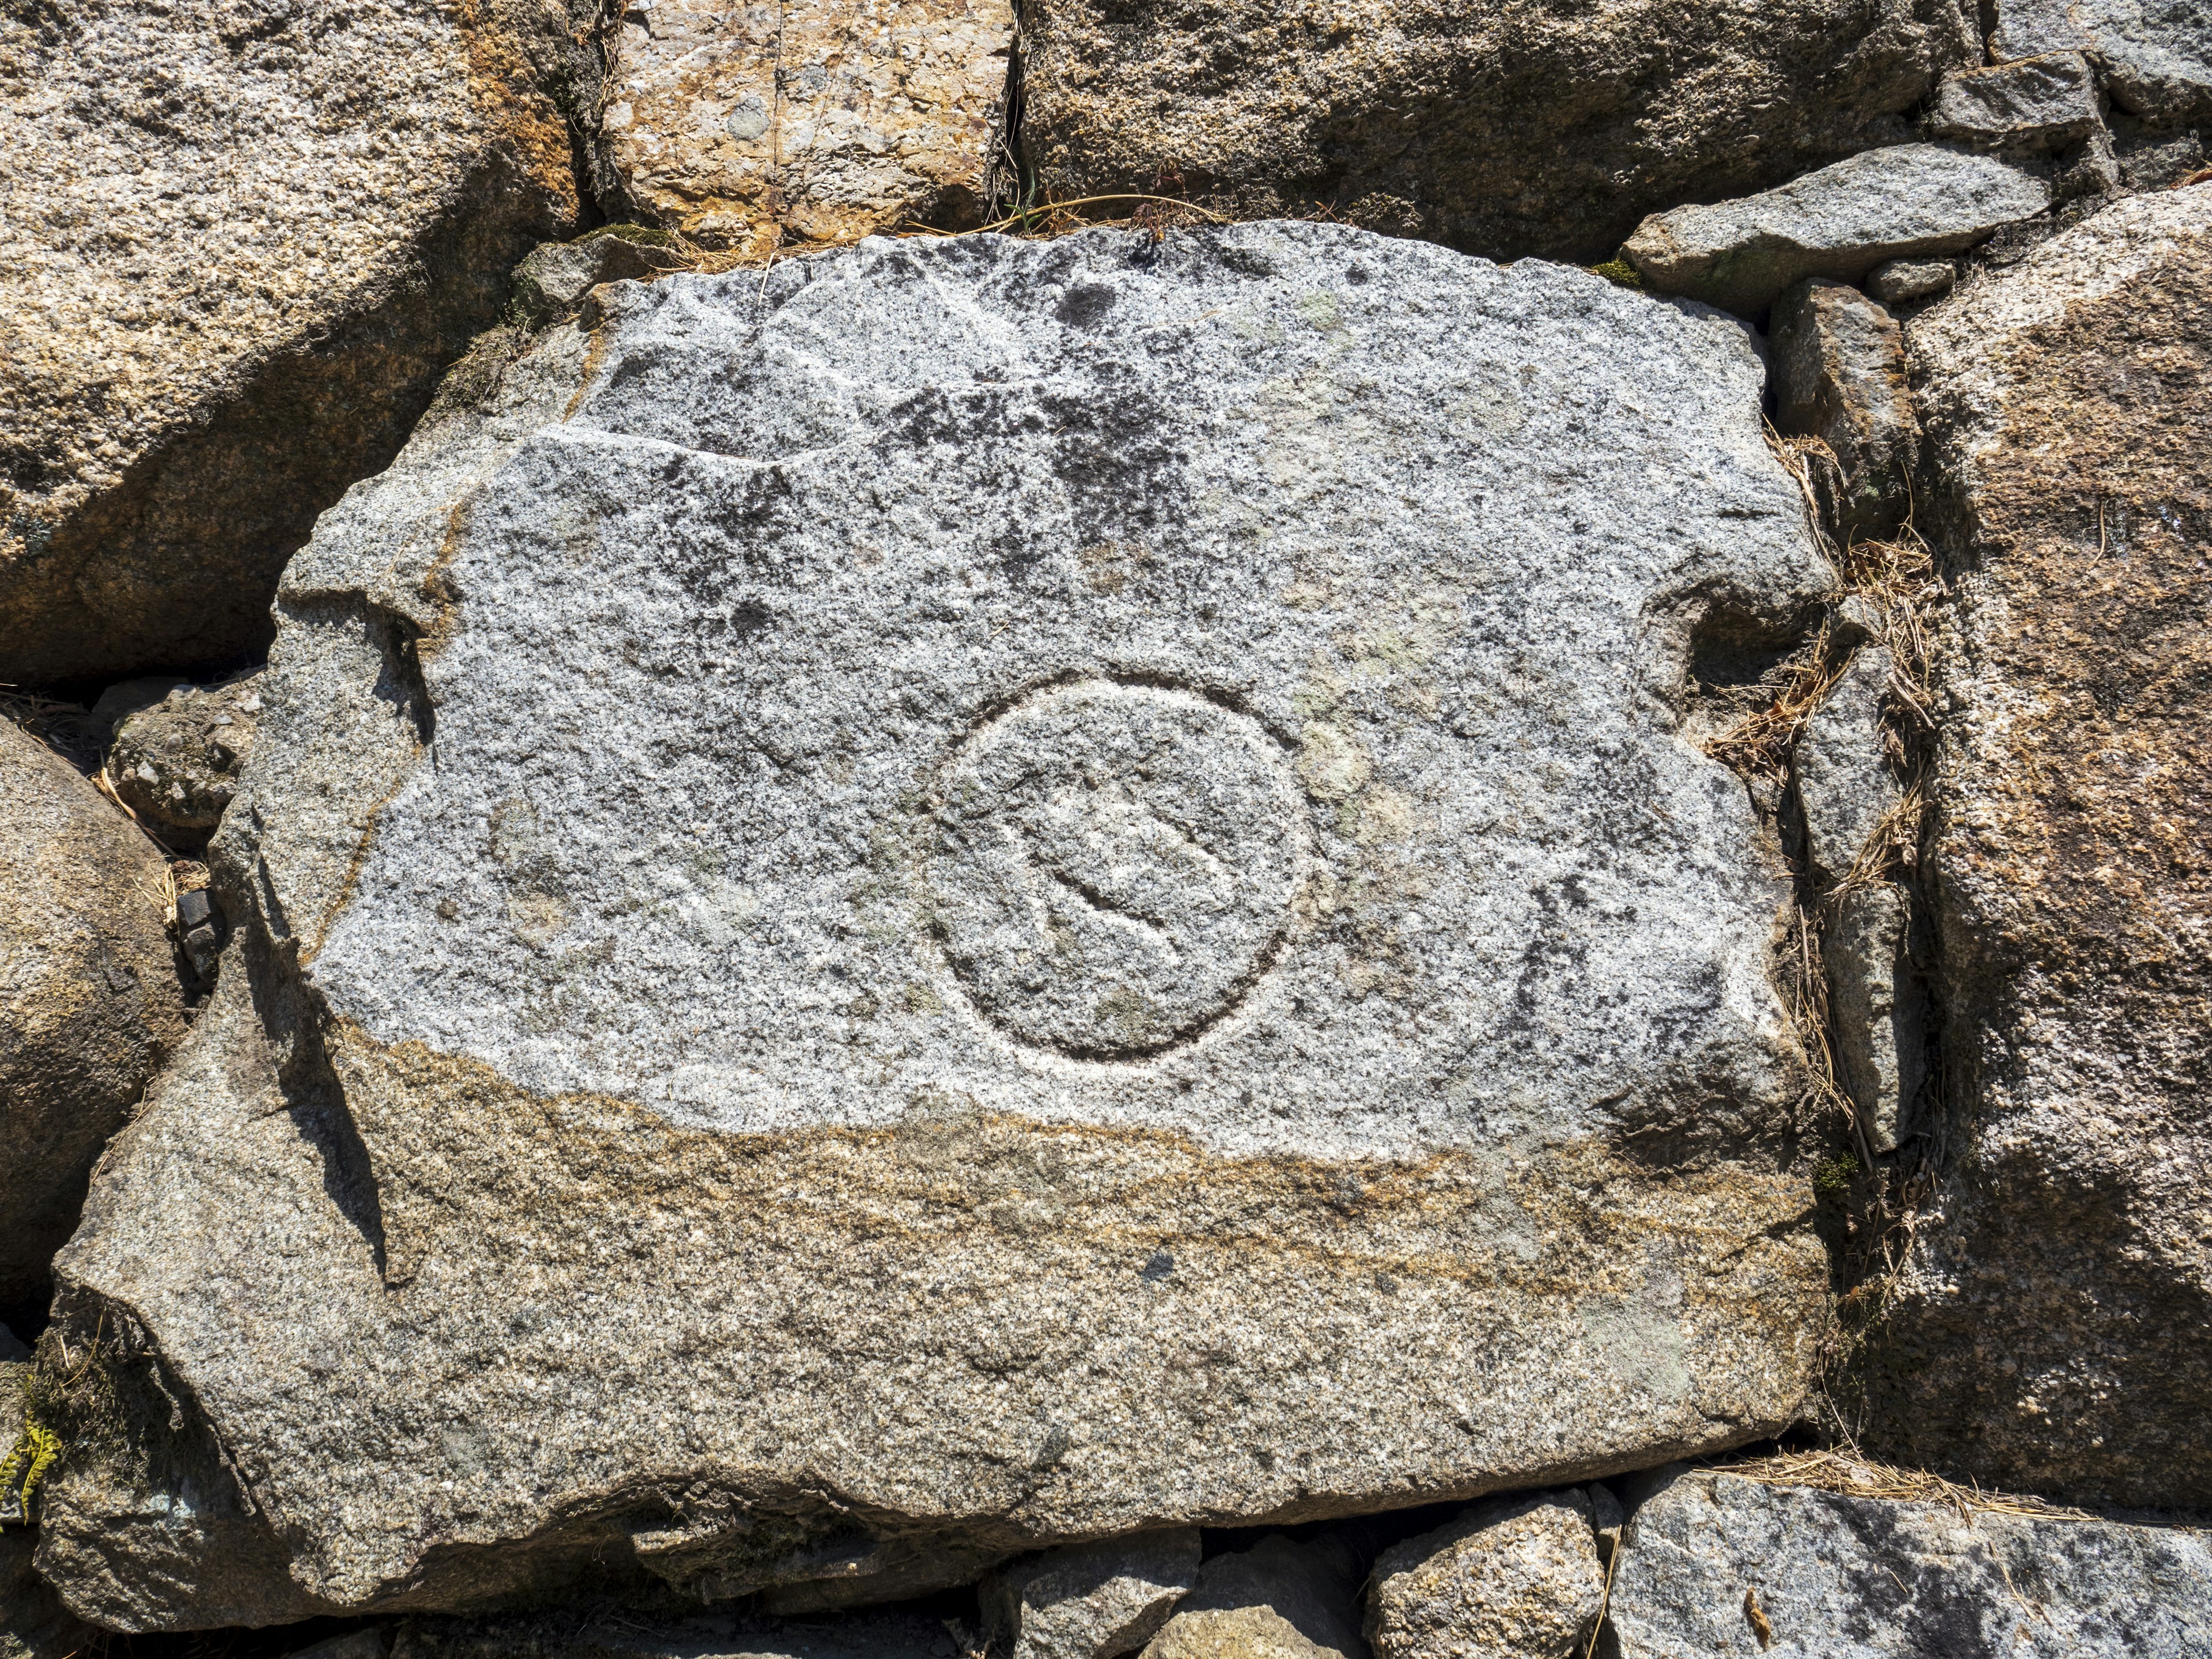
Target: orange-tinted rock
pixel 2051 1330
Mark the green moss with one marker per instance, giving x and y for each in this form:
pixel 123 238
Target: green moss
pixel 1832 1178
pixel 1619 273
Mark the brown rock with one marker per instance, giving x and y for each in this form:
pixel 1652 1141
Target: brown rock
pixel 1839 376
pixel 90 1003
pixel 2049 1334
pixel 1278 1600
pixel 1500 127
pixel 1516 1579
pixel 825 119
pixel 242 242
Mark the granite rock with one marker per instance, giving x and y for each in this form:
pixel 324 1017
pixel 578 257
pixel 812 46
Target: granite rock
pixel 1908 282
pixel 1838 375
pixel 739 126
pixel 89 1001
pixel 242 240
pixel 1519 1579
pixel 1840 771
pixel 970 894
pixel 554 278
pixel 1278 1600
pixel 1879 1009
pixel 2048 1334
pixel 1095 1601
pixel 1504 127
pixel 1902 203
pixel 2034 103
pixel 2155 55
pixel 1709 1559
pixel 33 1623
pixel 175 763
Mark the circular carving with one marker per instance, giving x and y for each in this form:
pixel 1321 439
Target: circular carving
pixel 1113 867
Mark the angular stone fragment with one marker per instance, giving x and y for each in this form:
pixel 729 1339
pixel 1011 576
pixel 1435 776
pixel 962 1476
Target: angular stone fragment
pixel 2156 55
pixel 2049 1333
pixel 1519 1579
pixel 242 241
pixel 1879 1010
pixel 2037 103
pixel 1716 1564
pixel 175 763
pixel 1838 375
pixel 1505 129
pixel 1907 282
pixel 554 278
pixel 89 1002
pixel 1278 1600
pixel 1841 221
pixel 934 891
pixel 828 119
pixel 1093 1600
pixel 1844 784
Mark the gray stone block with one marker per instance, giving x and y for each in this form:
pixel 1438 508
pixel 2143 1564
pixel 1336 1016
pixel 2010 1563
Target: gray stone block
pixel 2035 103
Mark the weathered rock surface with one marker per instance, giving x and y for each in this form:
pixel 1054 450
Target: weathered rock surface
pixel 1504 127
pixel 240 243
pixel 33 1623
pixel 853 1636
pixel 2050 1335
pixel 973 895
pixel 2037 103
pixel 1093 1600
pixel 175 763
pixel 1907 282
pixel 1878 1006
pixel 554 278
pixel 1711 1558
pixel 1278 1600
pixel 2156 55
pixel 1840 770
pixel 1841 221
pixel 1520 1579
pixel 89 1002
pixel 1838 375
pixel 826 120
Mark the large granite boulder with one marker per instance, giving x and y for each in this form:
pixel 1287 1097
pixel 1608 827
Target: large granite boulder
pixel 2155 55
pixel 1718 1564
pixel 2050 1332
pixel 89 998
pixel 972 894
pixel 243 238
pixel 823 120
pixel 1502 126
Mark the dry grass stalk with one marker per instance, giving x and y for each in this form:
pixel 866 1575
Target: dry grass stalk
pixel 1848 1475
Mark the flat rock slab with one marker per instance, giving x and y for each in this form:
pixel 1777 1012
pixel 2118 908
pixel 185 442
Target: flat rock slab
pixel 1716 1564
pixel 1904 202
pixel 2156 55
pixel 1502 129
pixel 991 893
pixel 823 119
pixel 2049 1335
pixel 242 241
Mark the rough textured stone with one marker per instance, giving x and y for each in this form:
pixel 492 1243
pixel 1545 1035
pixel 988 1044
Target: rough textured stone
pixel 1836 1577
pixel 175 763
pixel 1838 375
pixel 1504 127
pixel 854 1636
pixel 1908 282
pixel 665 775
pixel 554 278
pixel 33 1623
pixel 1879 1010
pixel 1093 1600
pixel 2156 55
pixel 1516 1580
pixel 241 241
pixel 1844 784
pixel 2050 1333
pixel 1278 1600
pixel 1842 222
pixel 827 119
pixel 2037 103
pixel 89 1002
